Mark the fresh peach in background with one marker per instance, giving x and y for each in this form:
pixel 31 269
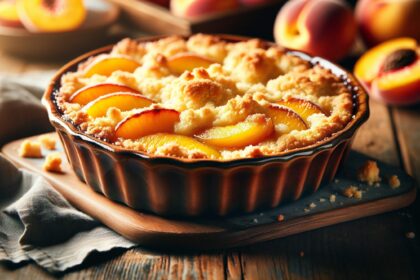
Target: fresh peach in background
pixel 319 27
pixel 391 71
pixel 163 3
pixel 9 15
pixel 381 20
pixel 254 2
pixel 196 8
pixel 52 15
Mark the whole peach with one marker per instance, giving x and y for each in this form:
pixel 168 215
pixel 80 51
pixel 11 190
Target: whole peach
pixel 381 20
pixel 320 27
pixel 254 2
pixel 197 8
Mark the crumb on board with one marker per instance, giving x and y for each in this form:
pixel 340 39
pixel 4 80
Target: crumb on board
pixel 369 173
pixel 47 141
pixel 312 205
pixel 52 163
pixel 394 182
pixel 280 218
pixel 352 191
pixel 306 210
pixel 255 220
pixel 301 253
pixel 30 149
pixel 410 235
pixel 322 199
pixel 336 180
pixel 333 198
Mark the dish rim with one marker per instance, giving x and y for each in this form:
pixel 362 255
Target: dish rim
pixel 360 115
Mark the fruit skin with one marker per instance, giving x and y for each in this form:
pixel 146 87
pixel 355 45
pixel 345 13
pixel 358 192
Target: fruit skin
pixel 182 62
pixel 122 100
pixel 248 132
pixel 196 8
pixel 107 65
pixel 147 122
pixel 86 94
pixel 382 20
pixel 399 86
pixel 154 141
pixel 324 28
pixel 9 15
pixel 254 2
pixel 64 15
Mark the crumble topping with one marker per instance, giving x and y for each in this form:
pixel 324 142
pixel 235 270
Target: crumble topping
pixel 245 79
pixel 352 192
pixel 52 163
pixel 394 182
pixel 47 141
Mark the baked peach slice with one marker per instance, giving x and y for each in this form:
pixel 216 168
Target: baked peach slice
pixel 304 108
pixel 154 141
pixel 249 132
pixel 281 115
pixel 86 94
pixel 182 62
pixel 147 122
pixel 51 15
pixel 391 71
pixel 124 101
pixel 106 65
pixel 9 15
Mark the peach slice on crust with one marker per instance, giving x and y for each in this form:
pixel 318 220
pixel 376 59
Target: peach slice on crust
pixel 304 108
pixel 147 122
pixel 391 71
pixel 248 132
pixel 182 62
pixel 124 101
pixel 154 141
pixel 86 94
pixel 51 15
pixel 282 115
pixel 106 65
pixel 9 15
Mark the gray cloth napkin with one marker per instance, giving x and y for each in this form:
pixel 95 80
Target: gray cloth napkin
pixel 36 222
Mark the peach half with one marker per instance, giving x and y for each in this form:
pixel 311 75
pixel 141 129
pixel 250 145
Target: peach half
pixel 124 101
pixel 197 8
pixel 319 27
pixel 9 15
pixel 106 65
pixel 391 71
pixel 51 15
pixel 154 141
pixel 147 122
pixel 86 94
pixel 248 132
pixel 182 62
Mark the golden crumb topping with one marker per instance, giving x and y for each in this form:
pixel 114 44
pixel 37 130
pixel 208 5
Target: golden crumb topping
pixel 248 98
pixel 52 163
pixel 30 149
pixel 369 172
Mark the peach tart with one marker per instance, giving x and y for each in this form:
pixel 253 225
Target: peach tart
pixel 216 114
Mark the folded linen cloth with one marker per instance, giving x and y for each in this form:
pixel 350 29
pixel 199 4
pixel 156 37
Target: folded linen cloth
pixel 36 222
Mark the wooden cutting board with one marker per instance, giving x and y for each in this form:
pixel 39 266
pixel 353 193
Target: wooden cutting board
pixel 202 233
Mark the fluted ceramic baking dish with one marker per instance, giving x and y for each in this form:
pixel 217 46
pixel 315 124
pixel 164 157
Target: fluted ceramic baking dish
pixel 182 187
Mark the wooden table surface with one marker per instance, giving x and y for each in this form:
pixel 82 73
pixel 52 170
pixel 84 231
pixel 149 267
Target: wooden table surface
pixel 369 248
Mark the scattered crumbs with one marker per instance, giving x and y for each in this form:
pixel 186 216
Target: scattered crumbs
pixel 377 185
pixel 333 198
pixel 255 220
pixel 280 218
pixel 352 191
pixel 52 163
pixel 394 182
pixel 301 254
pixel 306 210
pixel 312 205
pixel 47 141
pixel 322 199
pixel 30 149
pixel 261 214
pixel 410 235
pixel 369 172
pixel 336 181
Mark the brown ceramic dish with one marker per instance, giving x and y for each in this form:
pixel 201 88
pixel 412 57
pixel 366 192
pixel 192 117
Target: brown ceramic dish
pixel 183 187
